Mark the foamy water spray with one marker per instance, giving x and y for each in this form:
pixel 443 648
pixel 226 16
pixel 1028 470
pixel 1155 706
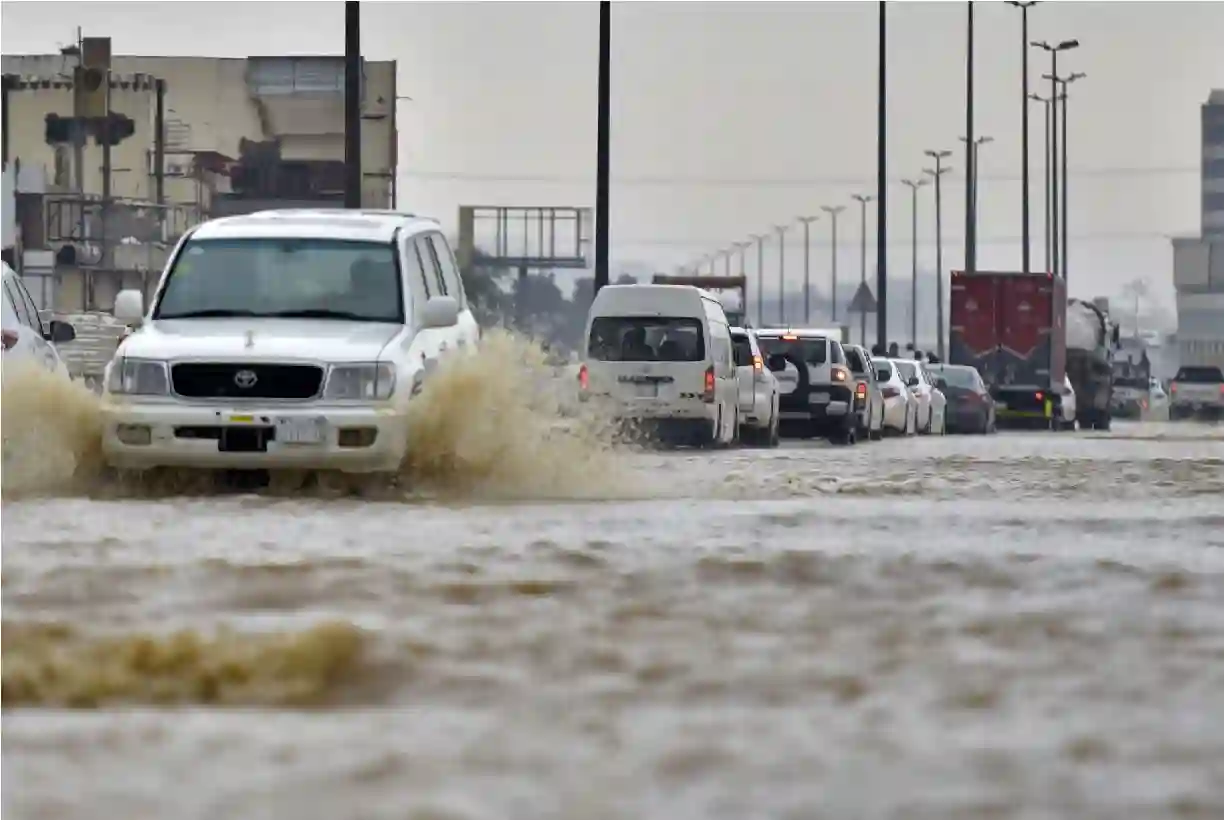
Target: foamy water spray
pixel 491 425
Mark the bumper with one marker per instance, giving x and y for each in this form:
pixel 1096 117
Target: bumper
pixel 895 412
pixel 174 434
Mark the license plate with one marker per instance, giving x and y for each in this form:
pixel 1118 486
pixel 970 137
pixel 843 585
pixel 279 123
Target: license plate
pixel 300 431
pixel 648 390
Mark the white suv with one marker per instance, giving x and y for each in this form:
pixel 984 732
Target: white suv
pixel 814 380
pixel 285 339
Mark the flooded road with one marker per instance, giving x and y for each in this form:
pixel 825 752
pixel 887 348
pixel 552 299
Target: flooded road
pixel 1018 626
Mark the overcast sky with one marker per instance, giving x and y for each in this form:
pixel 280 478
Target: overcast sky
pixel 729 118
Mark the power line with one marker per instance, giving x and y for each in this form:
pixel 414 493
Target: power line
pixel 907 242
pixel 1107 172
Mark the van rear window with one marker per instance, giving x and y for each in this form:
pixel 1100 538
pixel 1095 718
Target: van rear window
pixel 646 339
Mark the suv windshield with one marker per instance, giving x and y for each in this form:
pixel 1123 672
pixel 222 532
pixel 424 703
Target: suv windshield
pixel 961 377
pixel 1202 375
pixel 310 278
pixel 811 349
pixel 646 339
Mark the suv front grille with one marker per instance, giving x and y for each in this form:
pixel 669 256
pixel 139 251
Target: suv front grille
pixel 257 381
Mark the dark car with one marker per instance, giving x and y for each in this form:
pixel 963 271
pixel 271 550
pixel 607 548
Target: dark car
pixel 970 408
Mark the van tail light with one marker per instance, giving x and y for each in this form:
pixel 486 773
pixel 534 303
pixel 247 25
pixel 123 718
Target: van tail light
pixel 1222 390
pixel 1172 387
pixel 584 377
pixel 10 339
pixel 708 394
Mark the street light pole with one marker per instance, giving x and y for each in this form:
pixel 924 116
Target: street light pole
pixel 1066 179
pixel 1053 50
pixel 972 217
pixel 833 211
pixel 970 227
pixel 862 200
pixel 807 221
pixel 1045 102
pixel 760 238
pixel 938 171
pixel 781 231
pixel 914 185
pixel 1024 6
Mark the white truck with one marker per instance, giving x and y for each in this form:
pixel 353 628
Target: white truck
pixel 1197 391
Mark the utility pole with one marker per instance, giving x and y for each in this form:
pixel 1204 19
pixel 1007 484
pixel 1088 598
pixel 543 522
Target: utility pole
pixel 781 231
pixel 352 104
pixel 1024 6
pixel 1049 191
pixel 1053 50
pixel 760 238
pixel 862 200
pixel 603 145
pixel 881 190
pixel 807 221
pixel 970 165
pixel 935 173
pixel 1066 179
pixel 914 185
pixel 833 211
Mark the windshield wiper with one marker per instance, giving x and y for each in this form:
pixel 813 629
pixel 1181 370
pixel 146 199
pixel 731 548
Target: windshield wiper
pixel 323 313
pixel 213 313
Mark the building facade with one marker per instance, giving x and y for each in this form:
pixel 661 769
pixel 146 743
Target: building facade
pixel 1213 165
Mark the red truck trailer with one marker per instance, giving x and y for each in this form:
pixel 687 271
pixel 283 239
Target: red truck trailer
pixel 1011 327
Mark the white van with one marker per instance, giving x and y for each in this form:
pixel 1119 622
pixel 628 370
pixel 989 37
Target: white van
pixel 662 355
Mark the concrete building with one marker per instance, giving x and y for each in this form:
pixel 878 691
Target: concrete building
pixel 1198 262
pixel 238 135
pixel 1213 165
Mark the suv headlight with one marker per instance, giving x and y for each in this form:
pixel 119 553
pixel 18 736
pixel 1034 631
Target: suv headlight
pixel 138 377
pixel 360 382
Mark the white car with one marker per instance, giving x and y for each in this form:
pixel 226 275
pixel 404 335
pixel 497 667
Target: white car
pixel 1067 421
pixel 932 404
pixel 900 405
pixel 659 357
pixel 24 336
pixel 285 339
pixel 758 391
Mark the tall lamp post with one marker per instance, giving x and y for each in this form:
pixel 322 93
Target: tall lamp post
pixel 603 143
pixel 970 224
pixel 1024 6
pixel 935 173
pixel 833 211
pixel 862 200
pixel 975 149
pixel 759 239
pixel 1066 179
pixel 807 221
pixel 1049 179
pixel 914 185
pixel 1054 50
pixel 781 231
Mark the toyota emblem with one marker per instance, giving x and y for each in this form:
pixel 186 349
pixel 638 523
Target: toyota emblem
pixel 245 379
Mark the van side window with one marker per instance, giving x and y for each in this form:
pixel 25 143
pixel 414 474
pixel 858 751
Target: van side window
pixel 433 271
pixel 414 269
pixel 450 272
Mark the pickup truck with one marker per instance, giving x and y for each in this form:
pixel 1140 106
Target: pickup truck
pixel 1197 391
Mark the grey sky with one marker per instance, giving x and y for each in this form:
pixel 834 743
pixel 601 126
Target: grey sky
pixel 772 102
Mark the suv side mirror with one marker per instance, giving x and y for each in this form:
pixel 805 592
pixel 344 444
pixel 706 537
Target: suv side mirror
pixel 776 363
pixel 60 332
pixel 129 306
pixel 441 311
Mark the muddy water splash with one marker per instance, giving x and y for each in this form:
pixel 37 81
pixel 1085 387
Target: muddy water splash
pixel 497 425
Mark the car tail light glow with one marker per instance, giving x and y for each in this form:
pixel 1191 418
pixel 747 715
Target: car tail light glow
pixel 789 337
pixel 1039 395
pixel 708 395
pixel 584 377
pixel 1172 387
pixel 840 375
pixel 861 390
pixel 757 364
pixel 10 339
